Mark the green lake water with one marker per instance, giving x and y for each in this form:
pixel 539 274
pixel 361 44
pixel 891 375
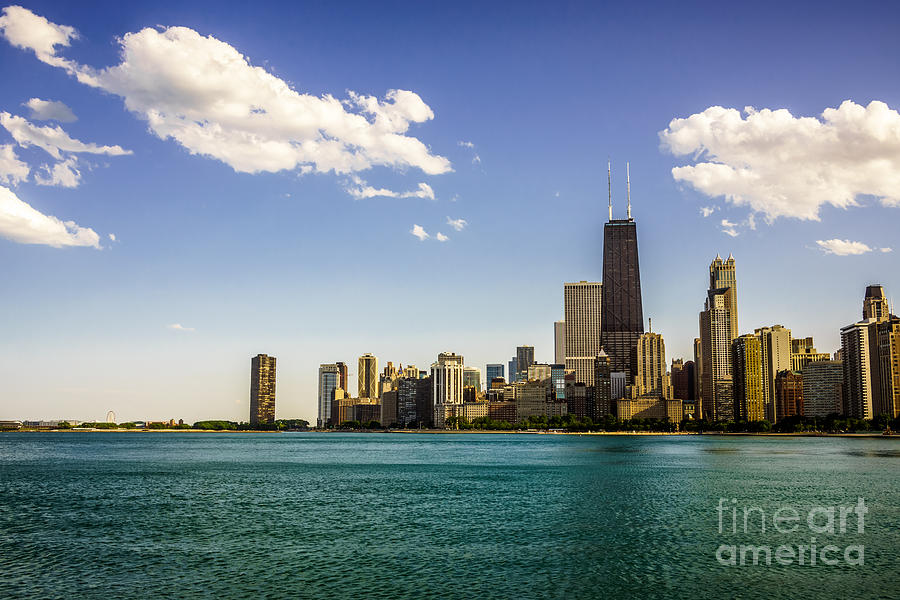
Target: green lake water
pixel 295 515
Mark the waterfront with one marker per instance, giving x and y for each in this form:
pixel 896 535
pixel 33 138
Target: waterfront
pixel 493 516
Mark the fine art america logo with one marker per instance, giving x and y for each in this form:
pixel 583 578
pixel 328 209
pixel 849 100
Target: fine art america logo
pixel 819 520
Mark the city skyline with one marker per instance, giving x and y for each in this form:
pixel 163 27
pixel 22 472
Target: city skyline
pixel 173 303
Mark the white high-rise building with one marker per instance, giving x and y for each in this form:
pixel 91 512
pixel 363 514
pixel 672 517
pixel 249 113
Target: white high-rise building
pixel 775 347
pixel 857 348
pixel 582 328
pixel 447 384
pixel 329 381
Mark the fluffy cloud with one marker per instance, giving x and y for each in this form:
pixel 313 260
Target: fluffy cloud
pixel 707 210
pixel 441 237
pixel 52 138
pixel 12 170
pixel 63 174
pixel 359 189
pixel 457 224
pixel 21 223
pixel 180 327
pixel 206 95
pixel 785 166
pixel 843 247
pixel 419 232
pixel 28 31
pixel 887 249
pixel 50 110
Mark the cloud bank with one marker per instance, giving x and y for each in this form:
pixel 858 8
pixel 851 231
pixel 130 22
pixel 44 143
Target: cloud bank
pixel 21 223
pixel 786 166
pixel 205 95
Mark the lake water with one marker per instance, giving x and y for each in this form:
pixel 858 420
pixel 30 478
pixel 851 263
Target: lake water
pixel 296 515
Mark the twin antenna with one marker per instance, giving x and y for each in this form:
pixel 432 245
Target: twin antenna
pixel 627 184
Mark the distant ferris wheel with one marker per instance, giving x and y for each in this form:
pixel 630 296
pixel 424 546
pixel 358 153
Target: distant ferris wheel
pixel 111 417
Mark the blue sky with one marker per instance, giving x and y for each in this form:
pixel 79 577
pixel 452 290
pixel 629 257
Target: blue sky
pixel 526 104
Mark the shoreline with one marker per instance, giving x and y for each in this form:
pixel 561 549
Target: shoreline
pixel 864 434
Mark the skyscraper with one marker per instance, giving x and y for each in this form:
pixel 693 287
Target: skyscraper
pixel 621 312
pixel 856 350
pixel 749 404
pixel 775 346
pixel 524 359
pixel 262 389
pixel 559 342
pixel 513 369
pixel 716 334
pixel 329 381
pixel 822 388
pixel 875 305
pixel 447 382
pixel 650 379
pixel 342 369
pixel 889 369
pixel 367 377
pixel 722 275
pixel 602 405
pixel 472 377
pixel 582 302
pixel 492 371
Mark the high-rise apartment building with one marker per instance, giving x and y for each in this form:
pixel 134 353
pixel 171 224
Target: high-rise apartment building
pixel 621 312
pixel 524 359
pixel 650 379
pixel 775 346
pixel 716 334
pixel 493 371
pixel 582 302
pixel 788 394
pixel 329 381
pixel 262 389
pixel 875 305
pixel 889 369
pixel 803 352
pixel 822 388
pixel 367 377
pixel 857 349
pixel 602 405
pixel 559 342
pixel 447 383
pixel 749 403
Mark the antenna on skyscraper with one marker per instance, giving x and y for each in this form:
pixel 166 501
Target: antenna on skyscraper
pixel 628 186
pixel 609 185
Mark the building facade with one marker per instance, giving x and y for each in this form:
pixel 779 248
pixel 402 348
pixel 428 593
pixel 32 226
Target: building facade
pixel 262 389
pixel 329 381
pixel 582 302
pixel 788 394
pixel 716 393
pixel 823 382
pixel 447 384
pixel 559 342
pixel 621 312
pixel 524 359
pixel 367 376
pixel 749 404
pixel 493 371
pixel 775 347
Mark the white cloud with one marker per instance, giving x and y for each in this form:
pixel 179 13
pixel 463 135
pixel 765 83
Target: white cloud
pixel 205 95
pixel 28 31
pixel 12 170
pixel 785 166
pixel 707 210
pixel 112 237
pixel 457 224
pixel 46 110
pixel 63 174
pixel 52 138
pixel 729 228
pixel 843 247
pixel 21 223
pixel 180 327
pixel 359 189
pixel 476 160
pixel 466 144
pixel 887 249
pixel 441 237
pixel 419 232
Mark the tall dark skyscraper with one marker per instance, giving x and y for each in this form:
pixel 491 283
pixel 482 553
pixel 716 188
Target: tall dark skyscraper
pixel 262 389
pixel 621 311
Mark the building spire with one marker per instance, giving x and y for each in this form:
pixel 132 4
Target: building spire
pixel 628 185
pixel 609 185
